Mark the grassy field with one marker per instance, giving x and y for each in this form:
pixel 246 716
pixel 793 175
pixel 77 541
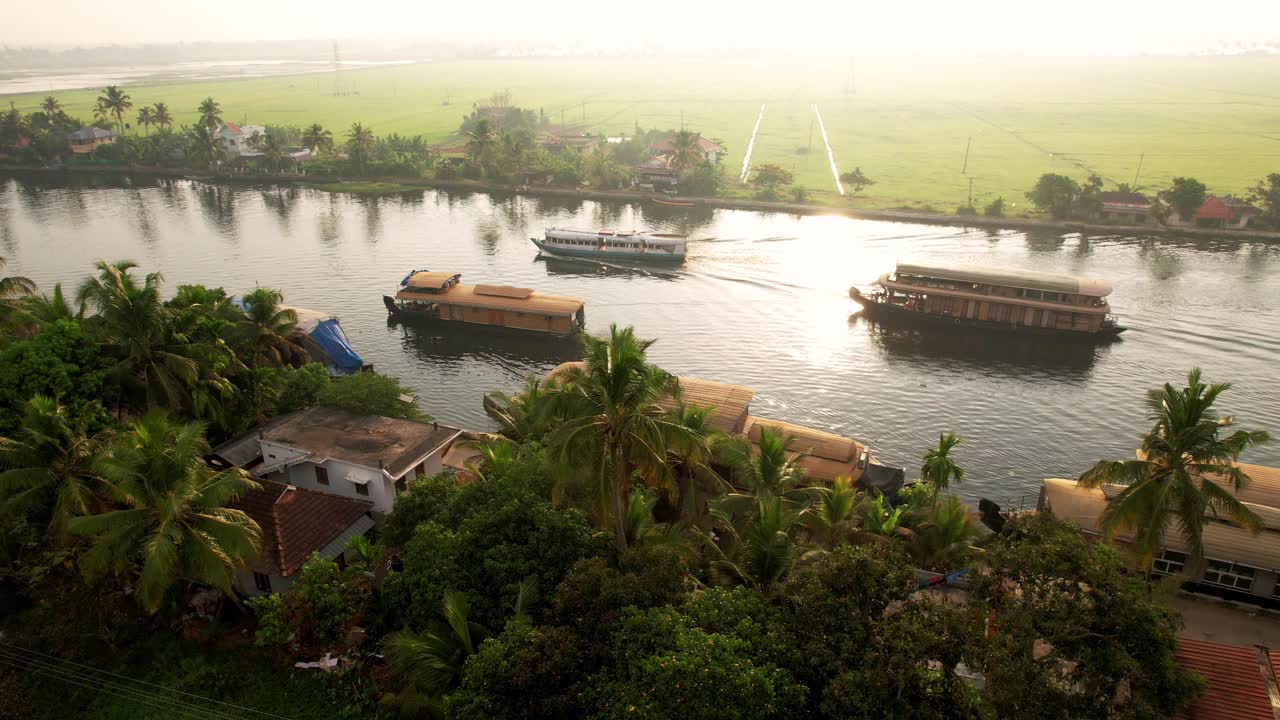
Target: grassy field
pixel 906 125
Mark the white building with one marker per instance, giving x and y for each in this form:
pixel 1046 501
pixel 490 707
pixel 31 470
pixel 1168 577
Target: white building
pixel 236 140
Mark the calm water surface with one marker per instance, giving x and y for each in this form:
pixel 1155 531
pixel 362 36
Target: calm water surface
pixel 761 301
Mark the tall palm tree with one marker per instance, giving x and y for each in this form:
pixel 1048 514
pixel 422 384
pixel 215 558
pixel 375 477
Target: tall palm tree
pixel 481 140
pixel 612 421
pixel 687 152
pixel 36 311
pixel 939 469
pixel 48 466
pixel 118 103
pixel 203 148
pixel 102 112
pixel 602 169
pixel 833 519
pixel 757 546
pixel 161 116
pixel 271 331
pixel 153 369
pixel 15 285
pixel 693 453
pixel 768 470
pixel 210 113
pixel 360 143
pixel 1185 470
pixel 51 106
pixel 272 151
pixel 318 140
pixel 146 116
pixel 174 524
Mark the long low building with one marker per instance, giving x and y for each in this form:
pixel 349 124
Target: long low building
pixel 1234 558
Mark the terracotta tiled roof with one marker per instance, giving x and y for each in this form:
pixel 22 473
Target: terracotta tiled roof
pixel 1237 688
pixel 667 144
pixel 296 522
pixel 233 128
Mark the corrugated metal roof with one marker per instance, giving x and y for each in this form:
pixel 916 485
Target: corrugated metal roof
pixel 1007 277
pixel 1237 689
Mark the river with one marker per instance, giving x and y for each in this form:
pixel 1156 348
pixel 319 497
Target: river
pixel 761 301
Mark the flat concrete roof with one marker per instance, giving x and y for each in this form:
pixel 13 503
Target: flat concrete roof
pixel 331 432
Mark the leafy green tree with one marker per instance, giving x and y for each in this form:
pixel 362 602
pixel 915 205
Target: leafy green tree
pixel 704 180
pixel 161 116
pixel 34 312
pixel 60 360
pixel 769 176
pixel 1054 194
pixel 1186 195
pixel 318 610
pixel 368 393
pixel 939 469
pixel 317 139
pixel 210 114
pixel 529 671
pixel 422 501
pixel 995 208
pixel 481 144
pixel 47 470
pixel 117 102
pixel 856 180
pixel 1088 201
pixel 1072 634
pixel 603 170
pixel 765 467
pixel 360 143
pixel 273 153
pixel 613 422
pixel 270 330
pixel 1185 470
pixel 1267 194
pixel 173 525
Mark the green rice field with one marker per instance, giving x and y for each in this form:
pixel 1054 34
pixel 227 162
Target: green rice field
pixel 905 124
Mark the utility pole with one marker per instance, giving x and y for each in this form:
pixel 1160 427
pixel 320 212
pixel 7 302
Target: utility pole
pixel 966 155
pixel 810 137
pixel 1139 170
pixel 970 193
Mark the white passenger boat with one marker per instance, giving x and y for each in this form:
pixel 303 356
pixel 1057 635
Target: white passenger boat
pixel 607 244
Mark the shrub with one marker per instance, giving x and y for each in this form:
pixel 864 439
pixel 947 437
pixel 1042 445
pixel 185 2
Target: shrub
pixel 994 209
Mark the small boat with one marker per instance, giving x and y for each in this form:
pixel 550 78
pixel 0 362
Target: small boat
pixel 607 244
pixel 674 203
pixel 425 295
pixel 995 298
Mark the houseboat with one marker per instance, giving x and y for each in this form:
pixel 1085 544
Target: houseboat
pixel 425 295
pixel 607 245
pixel 996 298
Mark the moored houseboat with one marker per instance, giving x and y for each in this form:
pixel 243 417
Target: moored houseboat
pixel 606 244
pixel 996 298
pixel 442 296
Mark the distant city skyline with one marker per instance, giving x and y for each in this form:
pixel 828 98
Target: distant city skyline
pixel 911 27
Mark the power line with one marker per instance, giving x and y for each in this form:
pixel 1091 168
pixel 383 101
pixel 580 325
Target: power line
pixel 18 650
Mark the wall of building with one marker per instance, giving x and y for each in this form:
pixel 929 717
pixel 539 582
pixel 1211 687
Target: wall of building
pixel 382 492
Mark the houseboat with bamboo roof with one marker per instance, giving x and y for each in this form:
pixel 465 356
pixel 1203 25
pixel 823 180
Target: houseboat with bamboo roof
pixel 610 245
pixel 996 298
pixel 441 296
pixel 823 456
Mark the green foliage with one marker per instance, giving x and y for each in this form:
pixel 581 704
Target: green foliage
pixel 368 393
pixel 665 667
pixel 429 664
pixel 1101 634
pixel 856 180
pixel 967 210
pixel 1266 194
pixel 939 469
pixel 314 615
pixel 1186 195
pixel 940 538
pixel 526 672
pixel 61 360
pixel 423 500
pixel 705 180
pixel 769 176
pixel 1054 194
pixel 995 208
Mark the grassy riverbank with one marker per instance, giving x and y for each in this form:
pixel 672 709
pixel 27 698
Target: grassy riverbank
pixel 906 126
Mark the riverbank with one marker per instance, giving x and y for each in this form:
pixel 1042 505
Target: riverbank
pixel 381 185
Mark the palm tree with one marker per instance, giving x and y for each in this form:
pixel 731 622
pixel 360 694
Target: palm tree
pixel 693 452
pixel 101 112
pixel 36 311
pixel 430 663
pixel 612 421
pixel 941 540
pixel 878 518
pixel 210 113
pixel 146 116
pixel 174 524
pixel 118 103
pixel 154 370
pixel 757 546
pixel 204 148
pixel 272 151
pixel 481 140
pixel 318 140
pixel 271 331
pixel 51 106
pixel 686 150
pixel 644 531
pixel 939 469
pixel 602 169
pixel 524 415
pixel 161 116
pixel 1184 471
pixel 14 286
pixel 769 470
pixel 360 143
pixel 48 467
pixel 833 519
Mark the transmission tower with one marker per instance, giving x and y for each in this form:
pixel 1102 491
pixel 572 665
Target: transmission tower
pixel 338 80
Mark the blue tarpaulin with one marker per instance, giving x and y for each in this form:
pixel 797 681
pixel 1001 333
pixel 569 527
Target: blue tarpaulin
pixel 328 336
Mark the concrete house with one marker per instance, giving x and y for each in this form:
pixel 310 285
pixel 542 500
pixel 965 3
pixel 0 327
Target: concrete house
pixel 236 139
pixel 364 457
pixel 296 523
pixel 710 151
pixel 1125 207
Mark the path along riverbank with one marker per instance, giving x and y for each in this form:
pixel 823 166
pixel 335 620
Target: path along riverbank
pixel 907 216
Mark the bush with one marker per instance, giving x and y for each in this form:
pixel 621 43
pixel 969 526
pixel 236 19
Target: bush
pixel 314 615
pixel 368 393
pixel 995 209
pixel 62 361
pixel 526 672
pixel 704 180
pixel 966 210
pixel 424 500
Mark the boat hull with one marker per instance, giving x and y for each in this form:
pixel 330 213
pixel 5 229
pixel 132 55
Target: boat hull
pixel 423 316
pixel 608 254
pixel 888 313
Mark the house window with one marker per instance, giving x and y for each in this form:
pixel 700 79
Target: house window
pixel 1170 562
pixel 322 476
pixel 362 489
pixel 262 582
pixel 1229 575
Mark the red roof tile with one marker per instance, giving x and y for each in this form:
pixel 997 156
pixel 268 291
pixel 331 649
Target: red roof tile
pixel 1214 209
pixel 1236 689
pixel 295 522
pixel 234 128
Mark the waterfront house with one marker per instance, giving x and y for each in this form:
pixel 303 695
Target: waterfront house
pixel 580 143
pixel 237 140
pixel 87 139
pixel 656 174
pixel 1236 562
pixel 1125 207
pixel 296 523
pixel 1224 213
pixel 710 151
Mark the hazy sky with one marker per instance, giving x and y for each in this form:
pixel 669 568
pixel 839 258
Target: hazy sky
pixel 839 26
